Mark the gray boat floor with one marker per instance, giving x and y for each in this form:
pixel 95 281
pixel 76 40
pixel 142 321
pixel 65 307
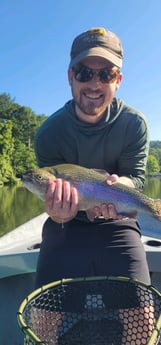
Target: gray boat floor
pixel 13 290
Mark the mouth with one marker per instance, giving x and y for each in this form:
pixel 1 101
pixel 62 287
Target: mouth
pixel 92 96
pixel 92 99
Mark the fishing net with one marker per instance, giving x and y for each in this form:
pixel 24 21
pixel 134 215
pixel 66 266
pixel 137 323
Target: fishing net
pixel 92 311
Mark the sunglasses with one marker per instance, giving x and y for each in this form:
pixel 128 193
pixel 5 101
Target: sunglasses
pixel 84 74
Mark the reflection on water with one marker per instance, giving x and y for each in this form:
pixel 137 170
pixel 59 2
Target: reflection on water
pixel 152 187
pixel 18 205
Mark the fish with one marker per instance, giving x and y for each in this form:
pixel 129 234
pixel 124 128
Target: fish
pixel 94 191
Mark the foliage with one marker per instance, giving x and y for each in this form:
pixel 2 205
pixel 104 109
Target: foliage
pixel 155 150
pixel 18 125
pixel 152 165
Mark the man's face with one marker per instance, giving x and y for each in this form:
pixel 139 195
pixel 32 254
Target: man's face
pixel 93 96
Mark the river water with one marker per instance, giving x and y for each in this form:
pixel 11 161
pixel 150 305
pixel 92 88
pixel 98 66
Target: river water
pixel 18 205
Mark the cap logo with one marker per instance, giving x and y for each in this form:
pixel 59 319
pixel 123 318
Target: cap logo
pixel 97 31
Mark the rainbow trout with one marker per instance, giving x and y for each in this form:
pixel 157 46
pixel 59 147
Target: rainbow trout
pixel 93 191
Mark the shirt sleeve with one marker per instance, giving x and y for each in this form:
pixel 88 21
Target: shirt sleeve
pixel 133 158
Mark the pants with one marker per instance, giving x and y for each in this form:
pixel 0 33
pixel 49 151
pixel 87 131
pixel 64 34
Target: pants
pixel 82 249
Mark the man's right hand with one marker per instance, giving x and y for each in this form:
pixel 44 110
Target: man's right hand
pixel 61 202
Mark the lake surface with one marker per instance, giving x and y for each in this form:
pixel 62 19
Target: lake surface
pixel 18 205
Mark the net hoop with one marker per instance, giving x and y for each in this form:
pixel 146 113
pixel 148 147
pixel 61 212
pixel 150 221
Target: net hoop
pixel 34 339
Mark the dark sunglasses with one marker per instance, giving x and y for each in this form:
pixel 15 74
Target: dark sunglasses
pixel 84 74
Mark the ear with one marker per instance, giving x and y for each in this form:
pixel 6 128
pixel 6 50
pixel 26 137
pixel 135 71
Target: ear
pixel 118 81
pixel 70 76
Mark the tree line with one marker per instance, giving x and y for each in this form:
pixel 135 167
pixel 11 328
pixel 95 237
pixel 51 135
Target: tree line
pixel 18 125
pixel 154 158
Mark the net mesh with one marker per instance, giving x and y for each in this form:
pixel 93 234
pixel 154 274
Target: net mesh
pixel 92 311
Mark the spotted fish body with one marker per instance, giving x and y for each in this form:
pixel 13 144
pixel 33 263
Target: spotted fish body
pixel 94 191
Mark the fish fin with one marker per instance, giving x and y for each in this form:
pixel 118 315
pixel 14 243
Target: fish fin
pixel 157 208
pixel 132 214
pixel 154 206
pixel 102 172
pixel 90 215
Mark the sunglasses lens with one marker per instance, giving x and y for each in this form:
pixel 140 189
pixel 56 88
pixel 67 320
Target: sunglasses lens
pixel 83 74
pixel 107 76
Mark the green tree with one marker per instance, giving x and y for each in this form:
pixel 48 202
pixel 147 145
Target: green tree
pixel 24 124
pixel 152 165
pixel 6 152
pixel 23 159
pixel 6 106
pixel 18 125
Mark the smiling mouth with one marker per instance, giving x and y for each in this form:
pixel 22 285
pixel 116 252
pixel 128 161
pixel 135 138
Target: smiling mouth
pixel 93 97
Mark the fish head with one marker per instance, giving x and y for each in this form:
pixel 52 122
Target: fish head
pixel 37 181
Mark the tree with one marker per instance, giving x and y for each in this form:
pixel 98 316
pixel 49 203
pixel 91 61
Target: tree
pixel 23 159
pixel 18 125
pixel 6 152
pixel 152 165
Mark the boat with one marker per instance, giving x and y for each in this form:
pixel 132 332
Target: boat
pixel 19 251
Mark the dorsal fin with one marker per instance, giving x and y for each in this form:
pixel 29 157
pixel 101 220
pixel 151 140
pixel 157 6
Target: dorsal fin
pixel 102 172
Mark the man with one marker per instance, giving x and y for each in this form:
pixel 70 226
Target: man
pixel 95 130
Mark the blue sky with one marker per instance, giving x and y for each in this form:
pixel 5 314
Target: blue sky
pixel 36 37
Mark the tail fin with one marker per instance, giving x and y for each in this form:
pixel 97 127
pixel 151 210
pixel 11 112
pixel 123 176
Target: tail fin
pixel 157 208
pixel 154 206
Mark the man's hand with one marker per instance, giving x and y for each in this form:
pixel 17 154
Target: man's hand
pixel 61 201
pixel 109 211
pixel 120 179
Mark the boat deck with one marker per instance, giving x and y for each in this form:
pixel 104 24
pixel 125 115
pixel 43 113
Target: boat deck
pixel 18 257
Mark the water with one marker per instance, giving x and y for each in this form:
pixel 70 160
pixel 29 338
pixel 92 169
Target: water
pixel 152 187
pixel 18 205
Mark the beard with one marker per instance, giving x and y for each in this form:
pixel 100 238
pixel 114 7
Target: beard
pixel 90 107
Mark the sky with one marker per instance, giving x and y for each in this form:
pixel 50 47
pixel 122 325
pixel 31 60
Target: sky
pixel 35 43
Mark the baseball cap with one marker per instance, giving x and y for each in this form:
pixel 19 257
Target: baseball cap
pixel 97 42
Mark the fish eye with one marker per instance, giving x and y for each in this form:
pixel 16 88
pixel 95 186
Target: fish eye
pixel 39 177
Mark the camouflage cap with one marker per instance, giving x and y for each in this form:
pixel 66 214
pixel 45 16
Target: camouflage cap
pixel 97 42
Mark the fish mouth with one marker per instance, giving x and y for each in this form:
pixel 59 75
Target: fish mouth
pixel 28 183
pixel 34 186
pixel 26 179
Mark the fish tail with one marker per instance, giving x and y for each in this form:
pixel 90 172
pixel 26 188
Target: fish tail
pixel 157 208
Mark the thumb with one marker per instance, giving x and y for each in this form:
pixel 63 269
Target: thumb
pixel 112 179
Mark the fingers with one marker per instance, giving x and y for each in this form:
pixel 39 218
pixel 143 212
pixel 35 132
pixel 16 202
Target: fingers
pixel 61 199
pixel 107 211
pixel 112 179
pixel 91 214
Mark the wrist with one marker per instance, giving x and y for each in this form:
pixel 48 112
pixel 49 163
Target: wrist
pixel 61 220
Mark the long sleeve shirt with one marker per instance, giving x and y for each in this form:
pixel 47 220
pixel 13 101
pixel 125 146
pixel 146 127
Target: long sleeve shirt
pixel 118 143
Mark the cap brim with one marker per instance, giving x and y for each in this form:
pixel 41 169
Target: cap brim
pixel 100 52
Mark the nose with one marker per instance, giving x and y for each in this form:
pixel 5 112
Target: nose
pixel 96 78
